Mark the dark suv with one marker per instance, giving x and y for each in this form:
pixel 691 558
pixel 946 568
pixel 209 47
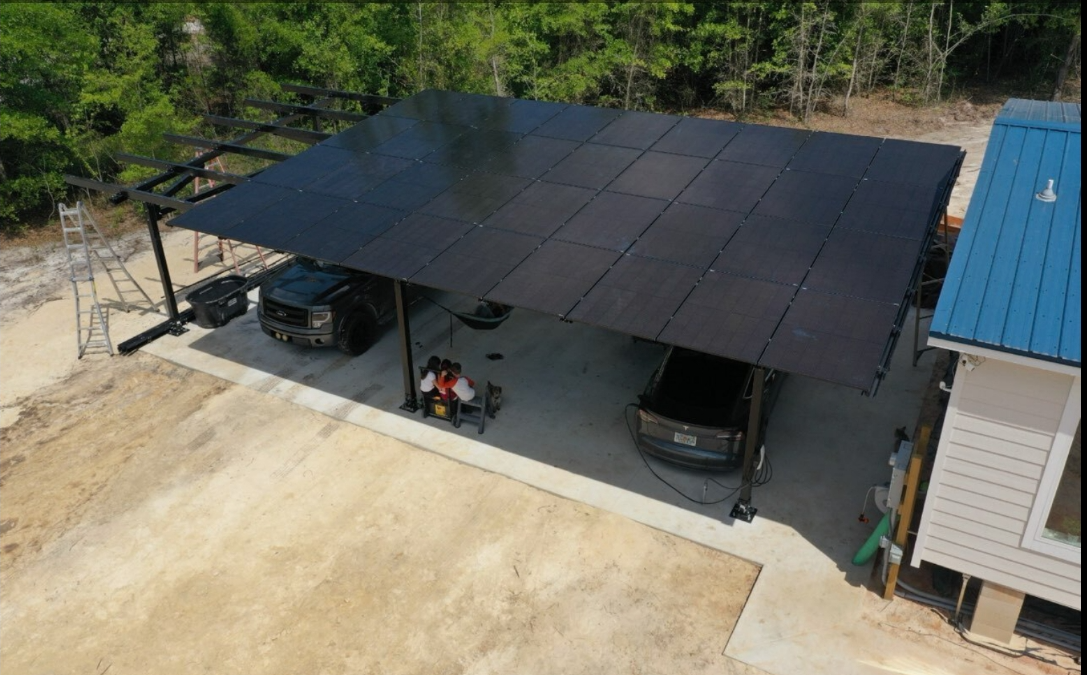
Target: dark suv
pixel 319 304
pixel 694 412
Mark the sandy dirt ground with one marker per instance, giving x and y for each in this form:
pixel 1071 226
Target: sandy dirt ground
pixel 161 520
pixel 158 520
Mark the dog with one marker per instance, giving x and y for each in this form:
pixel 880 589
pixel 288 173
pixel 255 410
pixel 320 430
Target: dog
pixel 494 399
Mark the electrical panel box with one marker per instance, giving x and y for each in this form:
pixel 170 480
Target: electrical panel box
pixel 900 461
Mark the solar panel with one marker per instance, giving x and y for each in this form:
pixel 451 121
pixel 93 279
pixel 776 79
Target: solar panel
pixel 474 147
pixel 448 107
pixel 688 235
pixel 773 249
pixel 420 140
pixel 531 157
pixel 369 133
pixel 522 116
pixel 356 178
pixel 591 166
pixel 694 232
pixel 767 146
pixel 347 230
pixel 865 265
pixel 415 186
pixel 730 186
pixel 697 137
pixel 541 208
pixel 577 123
pixel 637 296
pixel 729 316
pixel 408 246
pixel 554 278
pixel 316 163
pixel 635 130
pixel 657 174
pixel 273 228
pixel 806 196
pixel 833 338
pixel 839 154
pixel 222 212
pixel 895 209
pixel 476 197
pixel 914 163
pixel 611 221
pixel 477 261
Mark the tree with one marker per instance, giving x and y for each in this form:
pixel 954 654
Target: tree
pixel 44 56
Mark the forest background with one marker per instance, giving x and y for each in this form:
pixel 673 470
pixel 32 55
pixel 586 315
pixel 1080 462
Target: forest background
pixel 80 81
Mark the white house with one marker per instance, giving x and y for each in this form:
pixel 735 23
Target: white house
pixel 1003 503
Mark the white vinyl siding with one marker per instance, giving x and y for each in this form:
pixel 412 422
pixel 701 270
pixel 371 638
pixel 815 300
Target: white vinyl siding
pixel 997 436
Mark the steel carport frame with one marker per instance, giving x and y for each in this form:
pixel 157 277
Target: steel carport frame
pixel 440 169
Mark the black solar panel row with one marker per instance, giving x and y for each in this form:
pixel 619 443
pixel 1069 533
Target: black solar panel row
pixel 775 246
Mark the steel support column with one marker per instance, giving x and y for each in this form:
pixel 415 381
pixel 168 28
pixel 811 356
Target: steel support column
pixel 160 259
pixel 743 510
pixel 411 403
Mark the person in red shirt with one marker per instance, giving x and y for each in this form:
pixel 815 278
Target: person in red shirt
pixel 446 380
pixel 463 387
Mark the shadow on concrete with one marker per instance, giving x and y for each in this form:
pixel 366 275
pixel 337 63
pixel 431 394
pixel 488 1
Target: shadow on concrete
pixel 566 390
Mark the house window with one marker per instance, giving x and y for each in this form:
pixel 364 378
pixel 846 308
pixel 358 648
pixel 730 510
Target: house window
pixel 1053 526
pixel 1063 523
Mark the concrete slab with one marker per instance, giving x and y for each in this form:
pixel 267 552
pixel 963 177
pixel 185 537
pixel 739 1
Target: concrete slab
pixel 563 429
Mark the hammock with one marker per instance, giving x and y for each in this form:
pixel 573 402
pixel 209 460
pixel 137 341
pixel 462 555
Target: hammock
pixel 474 320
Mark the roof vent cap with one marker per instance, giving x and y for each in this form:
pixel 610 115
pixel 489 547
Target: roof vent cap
pixel 1047 195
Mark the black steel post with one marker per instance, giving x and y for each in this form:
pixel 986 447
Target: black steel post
pixel 160 259
pixel 411 403
pixel 743 510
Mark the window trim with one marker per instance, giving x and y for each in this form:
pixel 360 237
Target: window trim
pixel 1051 478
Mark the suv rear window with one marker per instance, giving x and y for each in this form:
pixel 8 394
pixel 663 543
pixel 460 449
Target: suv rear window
pixel 701 389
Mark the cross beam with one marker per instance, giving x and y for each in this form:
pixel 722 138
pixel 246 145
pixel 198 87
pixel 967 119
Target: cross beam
pixel 246 150
pixel 302 135
pixel 131 193
pixel 314 111
pixel 232 178
pixel 206 157
pixel 365 99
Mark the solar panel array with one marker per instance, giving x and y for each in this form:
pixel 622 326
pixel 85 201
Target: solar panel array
pixel 785 248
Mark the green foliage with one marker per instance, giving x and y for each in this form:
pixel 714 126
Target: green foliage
pixel 44 58
pixel 81 81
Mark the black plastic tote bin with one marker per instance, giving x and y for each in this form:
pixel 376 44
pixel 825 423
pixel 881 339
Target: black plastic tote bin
pixel 219 301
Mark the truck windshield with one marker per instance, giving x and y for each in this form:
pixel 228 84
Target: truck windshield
pixel 320 266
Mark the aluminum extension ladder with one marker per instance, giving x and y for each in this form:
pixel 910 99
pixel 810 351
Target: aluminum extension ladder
pixel 82 239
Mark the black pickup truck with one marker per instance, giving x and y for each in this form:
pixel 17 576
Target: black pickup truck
pixel 319 304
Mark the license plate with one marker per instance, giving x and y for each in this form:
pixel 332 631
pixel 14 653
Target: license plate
pixel 686 439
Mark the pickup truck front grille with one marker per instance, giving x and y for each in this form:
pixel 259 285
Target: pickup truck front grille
pixel 286 314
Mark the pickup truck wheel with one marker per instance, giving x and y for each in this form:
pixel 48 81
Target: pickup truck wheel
pixel 357 333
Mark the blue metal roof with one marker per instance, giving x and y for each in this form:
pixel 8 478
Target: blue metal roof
pixel 1014 284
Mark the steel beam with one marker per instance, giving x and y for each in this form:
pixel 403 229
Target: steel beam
pixel 743 510
pixel 411 403
pixel 133 193
pixel 176 168
pixel 224 146
pixel 160 259
pixel 276 106
pixel 301 135
pixel 168 327
pixel 207 157
pixel 365 99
